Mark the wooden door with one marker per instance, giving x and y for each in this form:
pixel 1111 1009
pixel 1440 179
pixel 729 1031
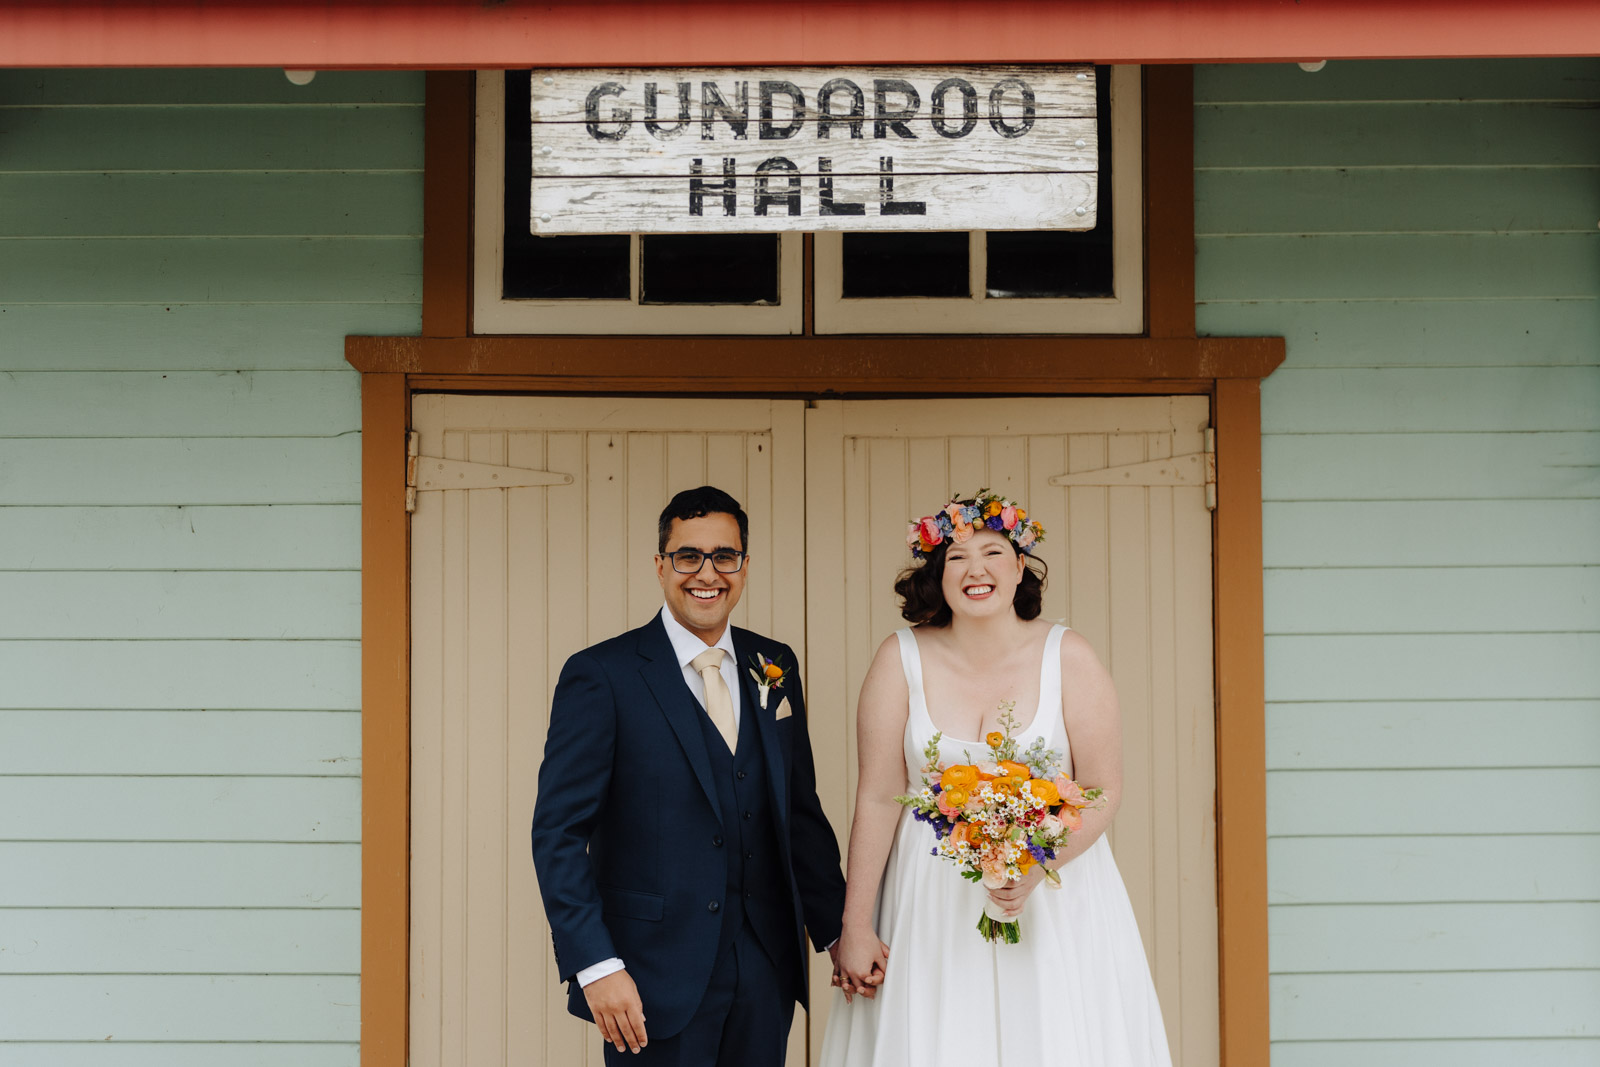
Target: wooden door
pixel 505 585
pixel 1119 484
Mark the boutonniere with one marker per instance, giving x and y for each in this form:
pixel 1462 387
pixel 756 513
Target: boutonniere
pixel 768 675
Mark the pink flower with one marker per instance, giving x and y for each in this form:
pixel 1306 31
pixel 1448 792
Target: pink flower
pixel 1071 818
pixel 928 531
pixel 1070 792
pixel 963 528
pixel 1008 516
pixel 913 535
pixel 1030 534
pixel 1051 825
pixel 994 873
pixel 945 807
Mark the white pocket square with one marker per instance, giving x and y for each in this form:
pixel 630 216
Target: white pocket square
pixel 783 711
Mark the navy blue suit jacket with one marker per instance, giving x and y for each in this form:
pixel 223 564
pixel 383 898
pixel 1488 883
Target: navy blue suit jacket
pixel 627 838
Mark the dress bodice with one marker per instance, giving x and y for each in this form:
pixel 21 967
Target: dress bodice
pixel 1046 721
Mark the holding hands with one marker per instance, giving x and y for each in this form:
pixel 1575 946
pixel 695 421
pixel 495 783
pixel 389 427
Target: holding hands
pixel 859 960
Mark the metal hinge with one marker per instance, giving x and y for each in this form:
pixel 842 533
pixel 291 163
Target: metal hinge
pixel 1194 468
pixel 429 473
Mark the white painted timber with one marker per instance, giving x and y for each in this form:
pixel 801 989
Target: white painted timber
pixel 1506 1004
pixel 1546 1052
pixel 1434 937
pixel 134 808
pixel 179 941
pixel 192 470
pixel 916 147
pixel 181 404
pixel 1521 866
pixel 1314 803
pixel 292 675
pixel 1433 667
pixel 102 1053
pixel 266 537
pixel 300 743
pixel 1433 733
pixel 122 874
pixel 160 1007
pixel 176 604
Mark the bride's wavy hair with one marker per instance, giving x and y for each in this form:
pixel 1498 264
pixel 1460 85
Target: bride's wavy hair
pixel 921 589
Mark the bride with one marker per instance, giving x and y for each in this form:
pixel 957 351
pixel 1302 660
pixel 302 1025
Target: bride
pixel 918 984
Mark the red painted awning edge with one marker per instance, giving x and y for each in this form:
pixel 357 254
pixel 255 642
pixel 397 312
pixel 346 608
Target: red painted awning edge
pixel 431 34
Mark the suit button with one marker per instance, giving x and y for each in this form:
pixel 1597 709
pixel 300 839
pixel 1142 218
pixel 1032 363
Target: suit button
pixel 741 776
pixel 714 907
pixel 747 815
pixel 717 841
pixel 749 855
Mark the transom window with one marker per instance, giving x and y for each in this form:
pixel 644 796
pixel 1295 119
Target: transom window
pixel 918 282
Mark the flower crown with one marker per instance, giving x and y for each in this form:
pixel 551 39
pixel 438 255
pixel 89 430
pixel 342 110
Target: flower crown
pixel 963 516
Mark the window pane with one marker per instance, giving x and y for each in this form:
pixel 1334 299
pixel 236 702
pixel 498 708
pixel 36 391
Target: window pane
pixel 581 267
pixel 1061 263
pixel 740 268
pixel 906 264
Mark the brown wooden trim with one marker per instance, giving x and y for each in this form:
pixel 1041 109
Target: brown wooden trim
pixel 1241 727
pixel 906 365
pixel 451 97
pixel 1169 200
pixel 385 722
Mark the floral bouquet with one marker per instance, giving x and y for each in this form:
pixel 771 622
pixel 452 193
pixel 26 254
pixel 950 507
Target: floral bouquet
pixel 996 818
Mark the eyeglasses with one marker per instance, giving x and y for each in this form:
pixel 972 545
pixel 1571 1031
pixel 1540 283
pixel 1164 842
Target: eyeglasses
pixel 723 560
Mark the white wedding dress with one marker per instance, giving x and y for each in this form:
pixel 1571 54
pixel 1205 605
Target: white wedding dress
pixel 1077 990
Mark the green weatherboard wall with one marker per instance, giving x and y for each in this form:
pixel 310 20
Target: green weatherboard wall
pixel 182 253
pixel 181 256
pixel 1425 235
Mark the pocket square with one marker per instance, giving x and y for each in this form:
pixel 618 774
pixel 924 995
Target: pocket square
pixel 783 711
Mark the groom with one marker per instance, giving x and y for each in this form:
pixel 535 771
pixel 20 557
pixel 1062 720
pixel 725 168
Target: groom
pixel 681 850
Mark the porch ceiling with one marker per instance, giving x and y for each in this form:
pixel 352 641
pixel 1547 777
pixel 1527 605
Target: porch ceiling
pixel 434 34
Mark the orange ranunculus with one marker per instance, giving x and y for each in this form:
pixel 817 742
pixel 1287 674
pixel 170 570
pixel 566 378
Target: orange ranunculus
pixel 1015 769
pixel 1025 862
pixel 956 797
pixel 960 833
pixel 773 671
pixel 1007 785
pixel 961 775
pixel 993 738
pixel 1071 818
pixel 1045 790
pixel 1022 513
pixel 993 508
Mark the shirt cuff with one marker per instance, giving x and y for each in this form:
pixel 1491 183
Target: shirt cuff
pixel 599 970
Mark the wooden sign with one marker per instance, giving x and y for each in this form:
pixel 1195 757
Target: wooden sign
pixel 739 151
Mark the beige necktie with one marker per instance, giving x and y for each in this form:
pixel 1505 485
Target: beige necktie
pixel 719 704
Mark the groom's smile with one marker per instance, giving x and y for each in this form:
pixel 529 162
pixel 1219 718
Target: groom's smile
pixel 702 600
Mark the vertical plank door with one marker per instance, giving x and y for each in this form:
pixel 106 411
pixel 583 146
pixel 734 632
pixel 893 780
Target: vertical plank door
pixel 506 584
pixel 1129 568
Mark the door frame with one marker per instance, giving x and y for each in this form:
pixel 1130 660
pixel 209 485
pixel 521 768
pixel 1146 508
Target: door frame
pixel 1168 359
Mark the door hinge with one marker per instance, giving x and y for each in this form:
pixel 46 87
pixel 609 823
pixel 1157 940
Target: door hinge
pixel 1193 468
pixel 430 473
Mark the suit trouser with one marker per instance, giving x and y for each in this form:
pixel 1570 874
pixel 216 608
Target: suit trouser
pixel 743 1020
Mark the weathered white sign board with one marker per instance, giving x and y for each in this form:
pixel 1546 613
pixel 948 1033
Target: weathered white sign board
pixel 807 148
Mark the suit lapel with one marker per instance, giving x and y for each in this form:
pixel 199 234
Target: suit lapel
pixel 659 666
pixel 766 725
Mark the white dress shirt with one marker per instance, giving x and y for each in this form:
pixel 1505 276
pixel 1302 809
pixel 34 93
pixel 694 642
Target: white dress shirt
pixel 686 646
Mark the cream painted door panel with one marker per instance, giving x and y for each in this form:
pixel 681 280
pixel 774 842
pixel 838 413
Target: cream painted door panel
pixel 1129 568
pixel 506 584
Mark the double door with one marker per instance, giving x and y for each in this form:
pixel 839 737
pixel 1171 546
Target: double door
pixel 509 582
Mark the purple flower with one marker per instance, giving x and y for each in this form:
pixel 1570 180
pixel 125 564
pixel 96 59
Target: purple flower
pixel 995 524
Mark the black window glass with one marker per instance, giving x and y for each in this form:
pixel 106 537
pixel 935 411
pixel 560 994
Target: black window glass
pixel 906 264
pixel 581 267
pixel 738 268
pixel 1061 263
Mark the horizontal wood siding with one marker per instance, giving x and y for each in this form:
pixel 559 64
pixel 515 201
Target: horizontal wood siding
pixel 181 256
pixel 1424 234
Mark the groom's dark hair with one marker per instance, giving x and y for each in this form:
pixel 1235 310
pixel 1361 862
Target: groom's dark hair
pixel 698 503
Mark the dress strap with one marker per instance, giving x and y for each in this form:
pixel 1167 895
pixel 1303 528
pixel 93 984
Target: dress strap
pixel 910 660
pixel 1050 686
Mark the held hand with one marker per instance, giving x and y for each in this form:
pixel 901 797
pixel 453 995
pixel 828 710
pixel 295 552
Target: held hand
pixel 1015 895
pixel 614 1003
pixel 862 960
